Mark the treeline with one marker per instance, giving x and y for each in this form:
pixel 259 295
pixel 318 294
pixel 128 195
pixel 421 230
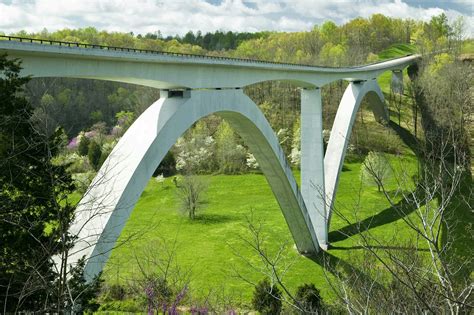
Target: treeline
pixel 210 41
pixel 355 42
pixel 78 104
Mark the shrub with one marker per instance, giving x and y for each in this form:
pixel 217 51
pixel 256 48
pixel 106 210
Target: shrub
pixel 114 292
pixel 167 167
pixel 131 306
pixel 82 181
pixel 266 298
pixel 94 153
pixel 308 298
pixel 83 147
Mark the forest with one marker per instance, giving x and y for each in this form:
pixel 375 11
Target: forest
pixel 56 133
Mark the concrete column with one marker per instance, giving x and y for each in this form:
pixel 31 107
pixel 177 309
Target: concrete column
pixel 312 162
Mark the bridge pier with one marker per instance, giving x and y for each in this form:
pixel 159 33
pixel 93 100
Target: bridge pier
pixel 312 162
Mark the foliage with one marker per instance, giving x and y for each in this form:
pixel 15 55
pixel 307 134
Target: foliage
pixel 295 155
pixel 128 306
pixel 218 40
pixel 308 297
pixel 195 152
pixel 84 143
pixel 366 138
pixel 231 156
pixel 124 121
pixel 167 166
pixel 85 294
pixel 33 199
pixel 251 162
pixel 83 180
pixel 267 298
pixel 94 154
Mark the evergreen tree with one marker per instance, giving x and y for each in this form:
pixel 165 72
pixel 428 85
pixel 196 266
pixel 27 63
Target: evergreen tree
pixel 94 155
pixel 83 147
pixel 267 298
pixel 34 212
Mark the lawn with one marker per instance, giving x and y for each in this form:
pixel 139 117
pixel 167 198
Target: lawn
pixel 206 246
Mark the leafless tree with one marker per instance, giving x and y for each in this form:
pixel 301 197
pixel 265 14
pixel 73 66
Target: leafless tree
pixel 375 168
pixel 429 271
pixel 191 192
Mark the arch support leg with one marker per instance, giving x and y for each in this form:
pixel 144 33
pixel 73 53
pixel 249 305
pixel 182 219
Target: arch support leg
pixel 107 205
pixel 342 129
pixel 312 162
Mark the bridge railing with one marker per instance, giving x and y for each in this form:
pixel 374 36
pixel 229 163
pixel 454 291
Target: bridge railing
pixel 165 53
pixel 135 50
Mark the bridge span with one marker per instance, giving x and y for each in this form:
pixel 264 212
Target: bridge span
pixel 193 87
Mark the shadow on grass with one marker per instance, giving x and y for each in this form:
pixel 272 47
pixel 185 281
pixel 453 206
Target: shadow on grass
pixel 377 247
pixel 407 137
pixel 342 270
pixel 389 215
pixel 208 219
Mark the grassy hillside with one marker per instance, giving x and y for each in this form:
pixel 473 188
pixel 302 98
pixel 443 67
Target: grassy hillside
pixel 205 246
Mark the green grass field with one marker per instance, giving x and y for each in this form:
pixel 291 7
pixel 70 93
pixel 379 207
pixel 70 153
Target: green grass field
pixel 206 246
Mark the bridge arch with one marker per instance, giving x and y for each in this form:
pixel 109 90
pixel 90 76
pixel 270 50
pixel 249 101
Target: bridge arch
pixel 341 131
pixel 106 206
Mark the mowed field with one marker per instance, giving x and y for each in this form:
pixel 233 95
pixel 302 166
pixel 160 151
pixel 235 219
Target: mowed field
pixel 208 248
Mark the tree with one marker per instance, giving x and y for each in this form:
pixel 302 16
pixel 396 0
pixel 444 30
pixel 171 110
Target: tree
pixel 231 156
pixel 267 298
pixel 167 166
pixel 190 192
pixel 375 168
pixel 309 298
pixel 84 143
pixel 94 153
pixel 35 213
pixel 195 153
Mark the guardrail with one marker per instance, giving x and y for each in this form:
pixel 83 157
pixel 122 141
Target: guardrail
pixel 165 53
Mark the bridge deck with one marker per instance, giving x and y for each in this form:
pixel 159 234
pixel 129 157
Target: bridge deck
pixel 40 52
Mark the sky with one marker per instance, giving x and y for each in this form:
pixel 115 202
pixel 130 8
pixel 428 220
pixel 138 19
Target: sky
pixel 179 16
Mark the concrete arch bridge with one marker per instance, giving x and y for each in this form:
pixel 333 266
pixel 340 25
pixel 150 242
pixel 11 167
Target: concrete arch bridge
pixel 192 87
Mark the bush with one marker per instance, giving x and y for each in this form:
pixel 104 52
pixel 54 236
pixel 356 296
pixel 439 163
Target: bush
pixel 83 147
pixel 308 298
pixel 266 298
pixel 114 292
pixel 94 153
pixel 131 306
pixel 82 181
pixel 167 167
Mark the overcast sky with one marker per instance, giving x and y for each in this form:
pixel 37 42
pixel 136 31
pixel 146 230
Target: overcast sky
pixel 180 16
